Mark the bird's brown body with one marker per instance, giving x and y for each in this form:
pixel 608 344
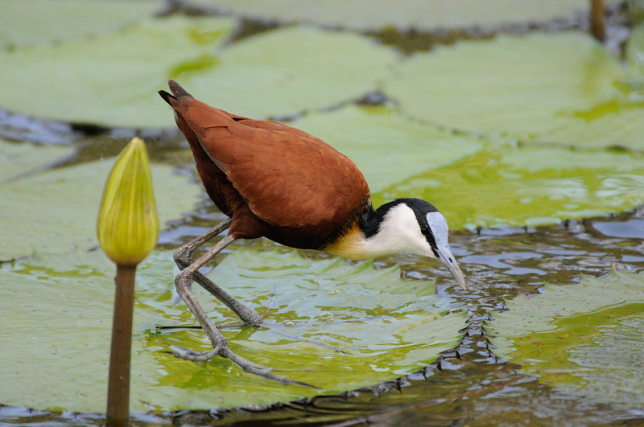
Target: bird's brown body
pixel 252 169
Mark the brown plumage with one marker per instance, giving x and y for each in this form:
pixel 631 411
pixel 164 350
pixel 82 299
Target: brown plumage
pixel 252 169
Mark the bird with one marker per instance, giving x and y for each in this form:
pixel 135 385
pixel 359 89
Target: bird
pixel 275 181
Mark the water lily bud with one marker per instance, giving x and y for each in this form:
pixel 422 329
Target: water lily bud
pixel 128 225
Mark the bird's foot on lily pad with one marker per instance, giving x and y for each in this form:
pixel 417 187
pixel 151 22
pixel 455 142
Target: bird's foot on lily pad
pixel 226 352
pixel 191 355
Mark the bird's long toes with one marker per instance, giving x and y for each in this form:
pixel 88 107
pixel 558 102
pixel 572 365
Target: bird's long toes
pixel 224 351
pixel 262 371
pixel 193 356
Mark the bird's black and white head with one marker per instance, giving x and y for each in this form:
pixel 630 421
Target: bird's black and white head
pixel 403 226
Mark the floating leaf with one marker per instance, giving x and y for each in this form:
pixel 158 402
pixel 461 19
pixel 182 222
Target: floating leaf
pixel 46 21
pixel 616 124
pixel 584 338
pixel 387 147
pixel 289 70
pixel 529 185
pixel 55 210
pixel 519 86
pixel 112 79
pixel 635 55
pixel 498 185
pixel 17 159
pixel 404 14
pixel 56 311
pixel 636 46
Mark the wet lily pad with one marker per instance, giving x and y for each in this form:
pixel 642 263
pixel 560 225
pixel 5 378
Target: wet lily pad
pixel 18 159
pixel 616 124
pixel 636 46
pixel 289 70
pixel 405 14
pixel 45 21
pixel 386 146
pixel 635 55
pixel 55 210
pixel 529 185
pixel 479 182
pixel 583 338
pixel 56 311
pixel 112 79
pixel 517 86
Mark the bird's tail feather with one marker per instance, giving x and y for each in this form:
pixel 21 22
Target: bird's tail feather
pixel 177 93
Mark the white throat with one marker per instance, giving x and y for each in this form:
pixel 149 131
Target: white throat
pixel 399 232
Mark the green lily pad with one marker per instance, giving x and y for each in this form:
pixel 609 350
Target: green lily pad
pixel 584 338
pixel 386 146
pixel 616 124
pixel 635 55
pixel 516 86
pixel 635 51
pixel 405 14
pixel 55 210
pixel 289 70
pixel 112 79
pixel 17 159
pixel 43 21
pixel 56 317
pixel 529 185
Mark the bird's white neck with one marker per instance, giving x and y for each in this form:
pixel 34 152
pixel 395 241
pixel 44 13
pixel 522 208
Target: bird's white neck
pixel 398 232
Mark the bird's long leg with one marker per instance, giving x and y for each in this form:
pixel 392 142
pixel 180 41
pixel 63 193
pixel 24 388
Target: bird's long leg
pixel 183 257
pixel 183 254
pixel 183 282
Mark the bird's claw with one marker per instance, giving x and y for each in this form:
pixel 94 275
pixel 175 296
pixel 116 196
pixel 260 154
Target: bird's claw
pixel 193 356
pixel 246 365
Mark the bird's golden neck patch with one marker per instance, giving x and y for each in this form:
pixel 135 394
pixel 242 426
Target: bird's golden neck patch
pixel 350 244
pixel 350 240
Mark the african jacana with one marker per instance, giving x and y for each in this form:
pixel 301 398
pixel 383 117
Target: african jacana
pixel 282 183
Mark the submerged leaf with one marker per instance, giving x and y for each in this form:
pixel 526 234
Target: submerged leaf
pixel 55 210
pixel 56 311
pixel 583 338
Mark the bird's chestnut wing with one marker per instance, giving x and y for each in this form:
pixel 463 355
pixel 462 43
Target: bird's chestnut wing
pixel 287 176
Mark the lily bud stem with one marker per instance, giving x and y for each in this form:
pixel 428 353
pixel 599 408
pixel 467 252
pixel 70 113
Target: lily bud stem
pixel 118 392
pixel 597 25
